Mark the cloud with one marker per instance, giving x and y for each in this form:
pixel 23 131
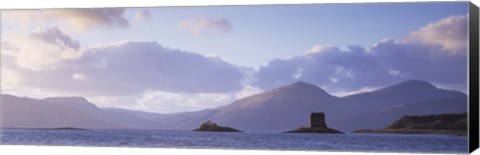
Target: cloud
pixel 9 78
pixel 170 80
pixel 149 65
pixel 79 19
pixel 355 68
pixel 450 33
pixel 79 76
pixel 167 102
pixel 332 69
pixel 247 90
pixel 171 102
pixel 43 49
pixel 361 90
pixel 206 25
pixel 386 62
pixel 143 15
pixel 60 63
pixel 323 48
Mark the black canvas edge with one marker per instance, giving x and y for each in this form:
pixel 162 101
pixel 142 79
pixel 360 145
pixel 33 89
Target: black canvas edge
pixel 473 130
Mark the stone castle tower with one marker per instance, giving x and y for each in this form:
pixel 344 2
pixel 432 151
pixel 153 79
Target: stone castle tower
pixel 317 120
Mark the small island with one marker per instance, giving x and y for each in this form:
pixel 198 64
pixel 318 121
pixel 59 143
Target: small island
pixel 69 128
pixel 451 124
pixel 317 125
pixel 210 126
pixel 65 128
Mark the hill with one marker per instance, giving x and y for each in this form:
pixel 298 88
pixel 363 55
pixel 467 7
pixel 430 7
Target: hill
pixel 451 123
pixel 275 110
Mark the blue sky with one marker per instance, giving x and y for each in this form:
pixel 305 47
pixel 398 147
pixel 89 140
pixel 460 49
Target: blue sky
pixel 284 30
pixel 174 59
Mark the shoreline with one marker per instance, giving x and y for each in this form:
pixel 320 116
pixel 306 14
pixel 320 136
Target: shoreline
pixel 412 131
pixel 361 131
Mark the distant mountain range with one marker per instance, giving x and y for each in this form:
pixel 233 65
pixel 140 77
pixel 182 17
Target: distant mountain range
pixel 276 110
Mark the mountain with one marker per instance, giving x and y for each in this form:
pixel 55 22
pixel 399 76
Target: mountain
pixel 19 112
pixel 57 112
pixel 408 91
pixel 78 112
pixel 172 121
pixel 72 102
pixel 288 107
pixel 380 118
pixel 449 123
pixel 140 114
pixel 277 110
pixel 264 112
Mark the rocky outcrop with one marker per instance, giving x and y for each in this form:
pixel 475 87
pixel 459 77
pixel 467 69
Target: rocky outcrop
pixel 210 126
pixel 314 130
pixel 317 125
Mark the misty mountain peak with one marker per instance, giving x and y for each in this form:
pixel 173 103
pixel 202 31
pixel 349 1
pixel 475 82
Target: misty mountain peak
pixel 72 101
pixel 300 85
pixel 75 99
pixel 301 88
pixel 417 83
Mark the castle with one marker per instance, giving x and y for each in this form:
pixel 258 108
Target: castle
pixel 317 125
pixel 317 120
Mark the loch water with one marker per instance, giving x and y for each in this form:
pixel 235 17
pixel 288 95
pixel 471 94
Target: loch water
pixel 238 140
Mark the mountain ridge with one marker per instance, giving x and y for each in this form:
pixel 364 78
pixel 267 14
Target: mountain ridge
pixel 286 107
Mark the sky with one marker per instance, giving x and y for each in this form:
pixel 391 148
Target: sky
pixel 175 59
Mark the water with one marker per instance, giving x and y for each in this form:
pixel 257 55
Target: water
pixel 256 141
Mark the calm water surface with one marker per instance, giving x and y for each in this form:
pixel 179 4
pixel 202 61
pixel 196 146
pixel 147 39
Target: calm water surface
pixel 257 141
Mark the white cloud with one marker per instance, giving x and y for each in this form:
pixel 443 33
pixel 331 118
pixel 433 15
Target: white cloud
pixel 167 102
pixel 342 72
pixel 394 72
pixel 143 15
pixel 42 49
pixel 30 92
pixel 171 102
pixel 298 73
pixel 450 33
pixel 79 19
pixel 333 80
pixel 248 90
pixel 9 78
pixel 206 25
pixel 57 62
pixel 79 76
pixel 361 90
pixel 183 81
pixel 388 61
pixel 323 48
